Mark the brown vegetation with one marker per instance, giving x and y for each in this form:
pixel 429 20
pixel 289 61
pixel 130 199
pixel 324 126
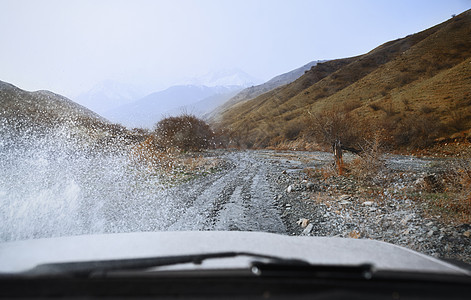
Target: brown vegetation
pixel 185 133
pixel 416 89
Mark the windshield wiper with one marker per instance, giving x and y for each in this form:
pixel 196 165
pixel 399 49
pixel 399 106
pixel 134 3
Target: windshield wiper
pixel 275 266
pixel 87 268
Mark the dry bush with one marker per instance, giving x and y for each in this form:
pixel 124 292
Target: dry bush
pixel 185 132
pixel 426 109
pixel 416 130
pixel 374 106
pixel 370 164
pixel 461 181
pixel 292 130
pixel 351 105
pixel 448 193
pixel 328 126
pixel 458 120
pixel 150 154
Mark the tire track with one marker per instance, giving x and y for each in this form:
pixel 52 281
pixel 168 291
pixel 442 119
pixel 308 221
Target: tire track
pixel 239 199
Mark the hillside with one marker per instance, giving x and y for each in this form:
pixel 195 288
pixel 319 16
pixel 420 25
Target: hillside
pixel 25 115
pixel 254 91
pixel 425 75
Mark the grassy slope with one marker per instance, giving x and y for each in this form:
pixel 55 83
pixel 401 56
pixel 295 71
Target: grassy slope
pixel 429 68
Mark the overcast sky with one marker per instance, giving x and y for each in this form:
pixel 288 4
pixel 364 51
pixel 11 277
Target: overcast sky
pixel 68 46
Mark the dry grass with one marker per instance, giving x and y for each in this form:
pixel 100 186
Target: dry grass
pixel 423 74
pixel 447 195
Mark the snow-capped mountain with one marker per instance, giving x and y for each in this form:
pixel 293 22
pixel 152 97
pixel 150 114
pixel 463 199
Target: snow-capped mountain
pixel 147 111
pixel 108 95
pixel 227 77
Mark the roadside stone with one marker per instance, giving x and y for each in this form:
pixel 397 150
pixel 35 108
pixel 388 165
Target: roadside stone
pixel 303 222
pixel 307 230
pixel 290 188
pixel 406 219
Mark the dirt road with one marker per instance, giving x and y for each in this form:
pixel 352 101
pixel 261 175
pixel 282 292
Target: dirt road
pixel 239 198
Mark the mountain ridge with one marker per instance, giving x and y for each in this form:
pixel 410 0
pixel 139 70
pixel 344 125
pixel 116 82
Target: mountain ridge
pixel 254 91
pixel 147 111
pixel 383 77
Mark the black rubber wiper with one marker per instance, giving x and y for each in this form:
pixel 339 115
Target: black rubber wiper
pixel 101 267
pixel 288 270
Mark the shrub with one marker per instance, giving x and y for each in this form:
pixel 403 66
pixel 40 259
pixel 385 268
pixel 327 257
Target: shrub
pixel 292 131
pixel 374 106
pixel 426 109
pixel 185 132
pixel 370 163
pixel 416 130
pixel 328 126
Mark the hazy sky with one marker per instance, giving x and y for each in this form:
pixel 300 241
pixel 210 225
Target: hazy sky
pixel 68 46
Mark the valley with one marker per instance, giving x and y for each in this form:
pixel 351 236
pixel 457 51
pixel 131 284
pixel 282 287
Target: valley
pixel 257 157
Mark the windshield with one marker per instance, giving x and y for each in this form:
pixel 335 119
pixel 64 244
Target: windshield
pixel 345 119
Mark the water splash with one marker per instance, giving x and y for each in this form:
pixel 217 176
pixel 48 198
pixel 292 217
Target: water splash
pixel 51 185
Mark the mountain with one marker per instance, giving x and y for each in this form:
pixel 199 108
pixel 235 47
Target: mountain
pixel 33 115
pixel 254 91
pixel 108 95
pixel 204 107
pixel 225 77
pixel 147 111
pixel 425 77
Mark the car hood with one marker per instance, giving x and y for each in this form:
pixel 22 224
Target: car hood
pixel 19 256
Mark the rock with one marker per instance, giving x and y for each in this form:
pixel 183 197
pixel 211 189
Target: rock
pixel 344 197
pixel 290 188
pixel 307 230
pixel 406 219
pixel 430 233
pixel 284 172
pixel 429 224
pixel 467 233
pixel 368 203
pixel 344 202
pixel 303 222
pixel 310 186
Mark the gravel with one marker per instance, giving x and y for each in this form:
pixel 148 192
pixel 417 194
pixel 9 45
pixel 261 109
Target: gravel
pixel 338 207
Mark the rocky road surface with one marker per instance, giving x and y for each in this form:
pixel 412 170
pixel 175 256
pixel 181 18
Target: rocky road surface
pixel 268 191
pixel 241 197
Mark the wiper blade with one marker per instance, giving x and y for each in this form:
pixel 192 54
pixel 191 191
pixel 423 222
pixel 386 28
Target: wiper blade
pixel 287 270
pixel 88 268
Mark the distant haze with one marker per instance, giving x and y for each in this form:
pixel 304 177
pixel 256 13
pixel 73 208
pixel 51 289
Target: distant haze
pixel 70 46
